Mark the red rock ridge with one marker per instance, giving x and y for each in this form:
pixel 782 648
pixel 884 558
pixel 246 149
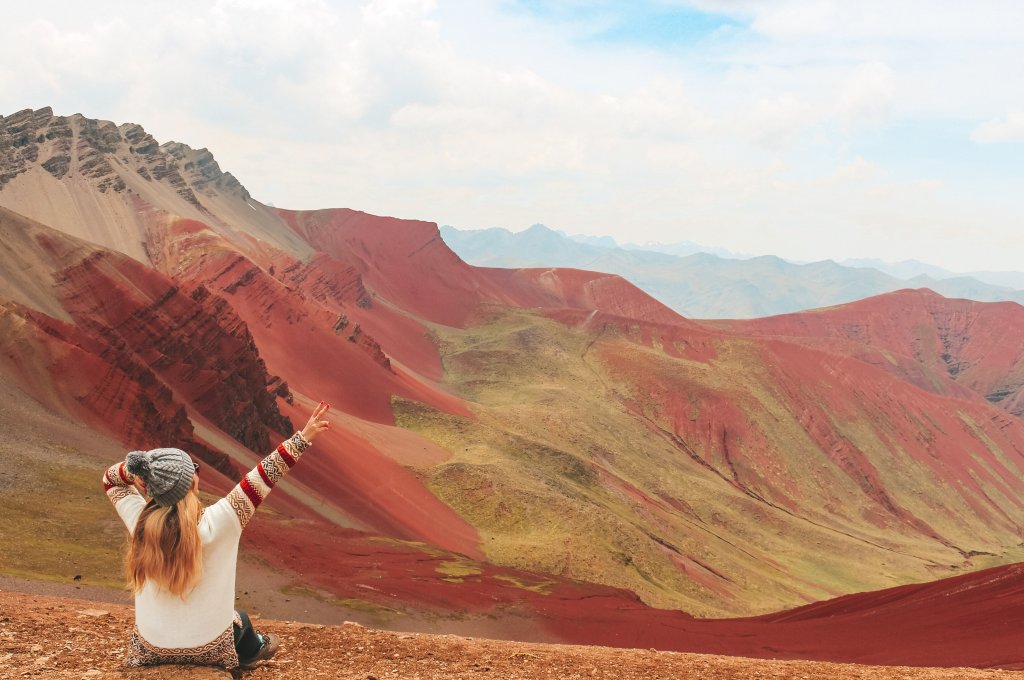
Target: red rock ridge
pixel 940 344
pixel 152 331
pixel 407 263
pixel 106 387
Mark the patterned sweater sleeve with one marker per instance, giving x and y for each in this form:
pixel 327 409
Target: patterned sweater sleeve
pixel 247 495
pixel 117 483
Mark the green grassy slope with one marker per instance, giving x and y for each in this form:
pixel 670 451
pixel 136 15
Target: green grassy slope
pixel 701 485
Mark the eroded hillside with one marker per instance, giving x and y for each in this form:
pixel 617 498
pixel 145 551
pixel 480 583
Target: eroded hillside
pixel 715 474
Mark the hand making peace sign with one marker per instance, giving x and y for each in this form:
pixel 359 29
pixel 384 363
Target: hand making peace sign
pixel 317 422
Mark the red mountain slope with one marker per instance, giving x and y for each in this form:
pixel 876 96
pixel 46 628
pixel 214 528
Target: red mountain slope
pixel 970 620
pixel 923 337
pixel 137 349
pixel 142 347
pixel 407 263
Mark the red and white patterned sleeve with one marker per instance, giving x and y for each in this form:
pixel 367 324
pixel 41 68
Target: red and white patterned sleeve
pixel 117 483
pixel 247 495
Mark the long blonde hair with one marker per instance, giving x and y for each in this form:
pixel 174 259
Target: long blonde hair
pixel 166 548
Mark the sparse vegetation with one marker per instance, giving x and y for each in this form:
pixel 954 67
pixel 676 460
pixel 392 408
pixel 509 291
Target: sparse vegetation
pixel 46 508
pixel 456 570
pixel 378 612
pixel 693 483
pixel 541 587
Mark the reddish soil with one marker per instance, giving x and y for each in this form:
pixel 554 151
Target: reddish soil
pixel 971 620
pixel 959 442
pixel 59 638
pixel 403 261
pixel 938 343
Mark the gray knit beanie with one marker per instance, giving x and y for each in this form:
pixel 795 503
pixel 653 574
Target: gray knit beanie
pixel 167 473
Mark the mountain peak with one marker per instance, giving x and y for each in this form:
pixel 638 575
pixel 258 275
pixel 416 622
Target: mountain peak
pixel 113 156
pixel 539 229
pixel 20 117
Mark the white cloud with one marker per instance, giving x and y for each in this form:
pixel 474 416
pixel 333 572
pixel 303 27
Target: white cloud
pixel 1008 129
pixel 867 95
pixel 775 121
pixel 798 18
pixel 857 170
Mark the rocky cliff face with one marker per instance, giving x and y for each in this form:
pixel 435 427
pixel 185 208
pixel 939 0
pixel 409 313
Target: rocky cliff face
pixel 158 344
pixel 103 385
pixel 20 140
pixel 100 151
pixel 192 340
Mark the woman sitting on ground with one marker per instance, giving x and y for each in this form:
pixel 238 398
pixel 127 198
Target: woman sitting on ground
pixel 181 557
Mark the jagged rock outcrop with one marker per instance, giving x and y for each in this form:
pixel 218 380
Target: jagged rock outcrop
pixel 326 279
pixel 370 346
pixel 104 152
pixel 192 339
pixel 20 140
pixel 202 169
pixel 152 344
pixel 66 144
pixel 106 385
pixel 280 387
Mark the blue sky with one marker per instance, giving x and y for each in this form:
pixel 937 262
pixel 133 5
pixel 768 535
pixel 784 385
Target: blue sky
pixel 651 25
pixel 809 129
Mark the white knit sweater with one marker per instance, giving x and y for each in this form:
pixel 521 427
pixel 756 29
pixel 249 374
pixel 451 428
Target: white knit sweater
pixel 171 628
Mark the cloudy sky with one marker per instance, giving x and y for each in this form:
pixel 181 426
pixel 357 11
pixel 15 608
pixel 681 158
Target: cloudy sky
pixel 809 129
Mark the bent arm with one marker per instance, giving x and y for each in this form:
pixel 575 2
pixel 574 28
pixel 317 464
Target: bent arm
pixel 247 495
pixel 119 485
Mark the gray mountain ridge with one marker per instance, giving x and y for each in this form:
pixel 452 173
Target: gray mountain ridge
pixel 707 286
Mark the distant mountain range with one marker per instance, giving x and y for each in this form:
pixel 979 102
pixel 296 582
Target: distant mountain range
pixel 908 269
pixel 710 286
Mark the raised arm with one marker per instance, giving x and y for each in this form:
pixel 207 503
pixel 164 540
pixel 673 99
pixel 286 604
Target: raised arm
pixel 119 485
pixel 247 495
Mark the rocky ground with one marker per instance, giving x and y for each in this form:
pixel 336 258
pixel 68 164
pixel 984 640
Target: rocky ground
pixel 51 637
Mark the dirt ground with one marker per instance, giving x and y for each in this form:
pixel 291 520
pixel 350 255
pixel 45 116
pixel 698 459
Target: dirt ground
pixel 51 637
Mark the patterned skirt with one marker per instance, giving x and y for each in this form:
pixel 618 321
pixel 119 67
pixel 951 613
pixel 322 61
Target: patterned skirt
pixel 218 652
